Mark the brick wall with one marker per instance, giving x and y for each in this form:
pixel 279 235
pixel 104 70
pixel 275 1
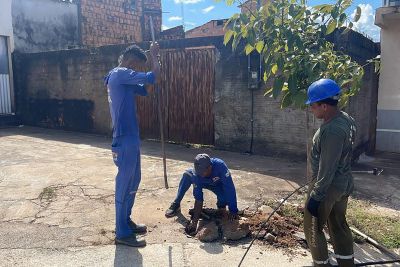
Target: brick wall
pixel 173 33
pixel 118 21
pixel 64 89
pixel 211 28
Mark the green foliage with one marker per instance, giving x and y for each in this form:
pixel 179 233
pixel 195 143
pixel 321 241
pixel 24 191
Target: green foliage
pixel 290 37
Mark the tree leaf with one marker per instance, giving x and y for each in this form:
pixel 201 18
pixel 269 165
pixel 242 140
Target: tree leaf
pixel 280 62
pixel 259 46
pixel 331 27
pixel 348 28
pixel 230 2
pixel 342 19
pixel 286 100
pixel 274 68
pixel 358 14
pixel 249 48
pixel 335 12
pixel 277 87
pixel 324 8
pixel 268 92
pixel 292 83
pixel 292 11
pixel 228 36
pixel 265 78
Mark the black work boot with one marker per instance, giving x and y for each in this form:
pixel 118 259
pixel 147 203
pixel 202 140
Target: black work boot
pixel 138 228
pixel 131 241
pixel 173 209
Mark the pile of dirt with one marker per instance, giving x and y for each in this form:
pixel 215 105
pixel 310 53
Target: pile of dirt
pixel 280 231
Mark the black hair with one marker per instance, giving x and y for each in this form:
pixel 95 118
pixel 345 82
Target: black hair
pixel 329 101
pixel 133 51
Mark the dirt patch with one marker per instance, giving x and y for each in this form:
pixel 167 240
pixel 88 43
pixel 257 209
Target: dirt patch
pixel 279 232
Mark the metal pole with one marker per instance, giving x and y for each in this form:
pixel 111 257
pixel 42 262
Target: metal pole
pixel 160 116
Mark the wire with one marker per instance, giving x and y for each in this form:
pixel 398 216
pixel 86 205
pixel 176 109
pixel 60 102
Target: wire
pixel 269 217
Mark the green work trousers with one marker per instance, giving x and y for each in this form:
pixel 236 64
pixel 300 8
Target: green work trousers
pixel 332 211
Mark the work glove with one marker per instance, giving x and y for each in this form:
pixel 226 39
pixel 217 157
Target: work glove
pixel 191 228
pixel 312 206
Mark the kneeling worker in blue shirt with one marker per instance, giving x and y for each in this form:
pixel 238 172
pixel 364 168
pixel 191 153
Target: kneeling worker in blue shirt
pixel 123 84
pixel 208 173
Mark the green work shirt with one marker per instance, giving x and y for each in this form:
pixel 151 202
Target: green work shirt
pixel 331 156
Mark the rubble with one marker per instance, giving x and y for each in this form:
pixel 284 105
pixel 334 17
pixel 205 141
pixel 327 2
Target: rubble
pixel 280 231
pixel 207 232
pixel 235 230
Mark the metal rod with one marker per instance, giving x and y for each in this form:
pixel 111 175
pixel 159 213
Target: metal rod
pixel 377 263
pixel 160 115
pixel 376 244
pixel 269 217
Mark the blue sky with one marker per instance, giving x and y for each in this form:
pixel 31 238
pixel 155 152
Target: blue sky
pixel 198 12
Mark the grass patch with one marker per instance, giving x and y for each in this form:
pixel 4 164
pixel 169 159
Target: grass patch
pixel 292 212
pixel 384 229
pixel 48 193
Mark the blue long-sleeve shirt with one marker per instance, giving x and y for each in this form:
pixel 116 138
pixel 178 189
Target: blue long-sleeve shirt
pixel 220 179
pixel 122 86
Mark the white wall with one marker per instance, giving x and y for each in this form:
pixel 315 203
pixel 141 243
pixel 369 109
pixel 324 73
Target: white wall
pixel 388 124
pixel 389 82
pixel 6 21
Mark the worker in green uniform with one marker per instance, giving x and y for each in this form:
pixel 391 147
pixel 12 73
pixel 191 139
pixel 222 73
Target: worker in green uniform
pixel 332 180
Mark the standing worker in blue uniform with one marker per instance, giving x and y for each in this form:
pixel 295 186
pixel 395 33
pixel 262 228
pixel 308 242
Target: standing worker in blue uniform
pixel 211 174
pixel 332 179
pixel 123 84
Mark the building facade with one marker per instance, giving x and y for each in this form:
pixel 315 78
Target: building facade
pixel 388 128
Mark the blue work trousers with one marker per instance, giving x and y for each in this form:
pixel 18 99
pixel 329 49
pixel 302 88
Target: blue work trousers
pixel 126 155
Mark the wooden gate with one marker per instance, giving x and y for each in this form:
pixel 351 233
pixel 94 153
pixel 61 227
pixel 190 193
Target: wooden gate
pixel 187 88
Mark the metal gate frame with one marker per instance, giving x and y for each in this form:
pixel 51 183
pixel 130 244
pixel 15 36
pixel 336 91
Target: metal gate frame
pixel 7 98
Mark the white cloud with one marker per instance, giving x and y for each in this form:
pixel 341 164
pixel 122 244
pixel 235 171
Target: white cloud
pixel 164 27
pixel 190 23
pixel 175 18
pixel 186 2
pixel 366 22
pixel 207 9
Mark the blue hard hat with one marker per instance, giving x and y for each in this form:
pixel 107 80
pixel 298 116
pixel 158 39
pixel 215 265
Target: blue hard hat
pixel 322 89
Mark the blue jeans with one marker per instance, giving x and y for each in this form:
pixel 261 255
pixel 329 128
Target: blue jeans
pixel 126 155
pixel 186 182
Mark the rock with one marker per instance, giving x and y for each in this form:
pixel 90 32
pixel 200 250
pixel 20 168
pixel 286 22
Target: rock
pixel 300 236
pixel 235 230
pixel 300 209
pixel 207 232
pixel 261 234
pixel 270 237
pixel 264 209
pixel 248 212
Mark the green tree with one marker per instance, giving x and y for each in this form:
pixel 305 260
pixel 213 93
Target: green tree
pixel 290 37
pixel 291 40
